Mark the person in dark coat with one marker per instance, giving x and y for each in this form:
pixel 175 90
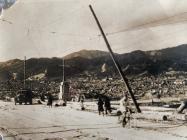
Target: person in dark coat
pixel 107 105
pixel 100 106
pixel 42 97
pixel 50 100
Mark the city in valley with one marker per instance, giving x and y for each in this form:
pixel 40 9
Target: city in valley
pixel 96 70
pixel 74 110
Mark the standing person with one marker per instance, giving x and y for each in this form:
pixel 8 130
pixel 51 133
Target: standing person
pixel 50 100
pixel 122 106
pixel 126 111
pixel 82 102
pixel 124 103
pixel 100 106
pixel 107 105
pixel 42 97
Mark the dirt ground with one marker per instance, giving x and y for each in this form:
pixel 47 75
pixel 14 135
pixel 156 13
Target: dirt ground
pixel 39 122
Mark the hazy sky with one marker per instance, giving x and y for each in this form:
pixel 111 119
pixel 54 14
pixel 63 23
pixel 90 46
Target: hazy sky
pixel 54 28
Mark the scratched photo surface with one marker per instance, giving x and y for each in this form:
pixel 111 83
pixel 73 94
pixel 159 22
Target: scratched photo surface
pixel 93 69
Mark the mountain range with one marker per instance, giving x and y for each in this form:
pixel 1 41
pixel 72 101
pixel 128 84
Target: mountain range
pixel 136 62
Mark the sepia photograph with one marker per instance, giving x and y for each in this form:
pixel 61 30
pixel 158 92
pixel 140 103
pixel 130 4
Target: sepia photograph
pixel 93 70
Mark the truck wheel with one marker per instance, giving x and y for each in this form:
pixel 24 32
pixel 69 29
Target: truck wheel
pixel 119 113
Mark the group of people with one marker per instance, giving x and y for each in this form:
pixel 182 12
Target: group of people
pixel 104 105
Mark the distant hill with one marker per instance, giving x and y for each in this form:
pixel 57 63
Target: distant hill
pixel 87 54
pixel 138 62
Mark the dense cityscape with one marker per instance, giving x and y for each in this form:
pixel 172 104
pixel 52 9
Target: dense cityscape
pixel 168 84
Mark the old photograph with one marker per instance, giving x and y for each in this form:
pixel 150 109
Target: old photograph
pixel 93 70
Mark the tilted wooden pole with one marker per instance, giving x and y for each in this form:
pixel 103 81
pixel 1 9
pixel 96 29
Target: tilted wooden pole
pixel 116 62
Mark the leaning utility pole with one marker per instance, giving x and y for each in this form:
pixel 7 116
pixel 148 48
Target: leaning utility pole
pixel 116 62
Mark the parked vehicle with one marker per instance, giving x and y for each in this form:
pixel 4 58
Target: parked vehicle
pixel 24 96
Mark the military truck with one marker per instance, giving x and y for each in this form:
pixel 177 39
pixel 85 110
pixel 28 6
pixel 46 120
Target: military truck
pixel 23 96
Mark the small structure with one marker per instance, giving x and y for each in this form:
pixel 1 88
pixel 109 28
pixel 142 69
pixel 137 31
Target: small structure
pixel 64 91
